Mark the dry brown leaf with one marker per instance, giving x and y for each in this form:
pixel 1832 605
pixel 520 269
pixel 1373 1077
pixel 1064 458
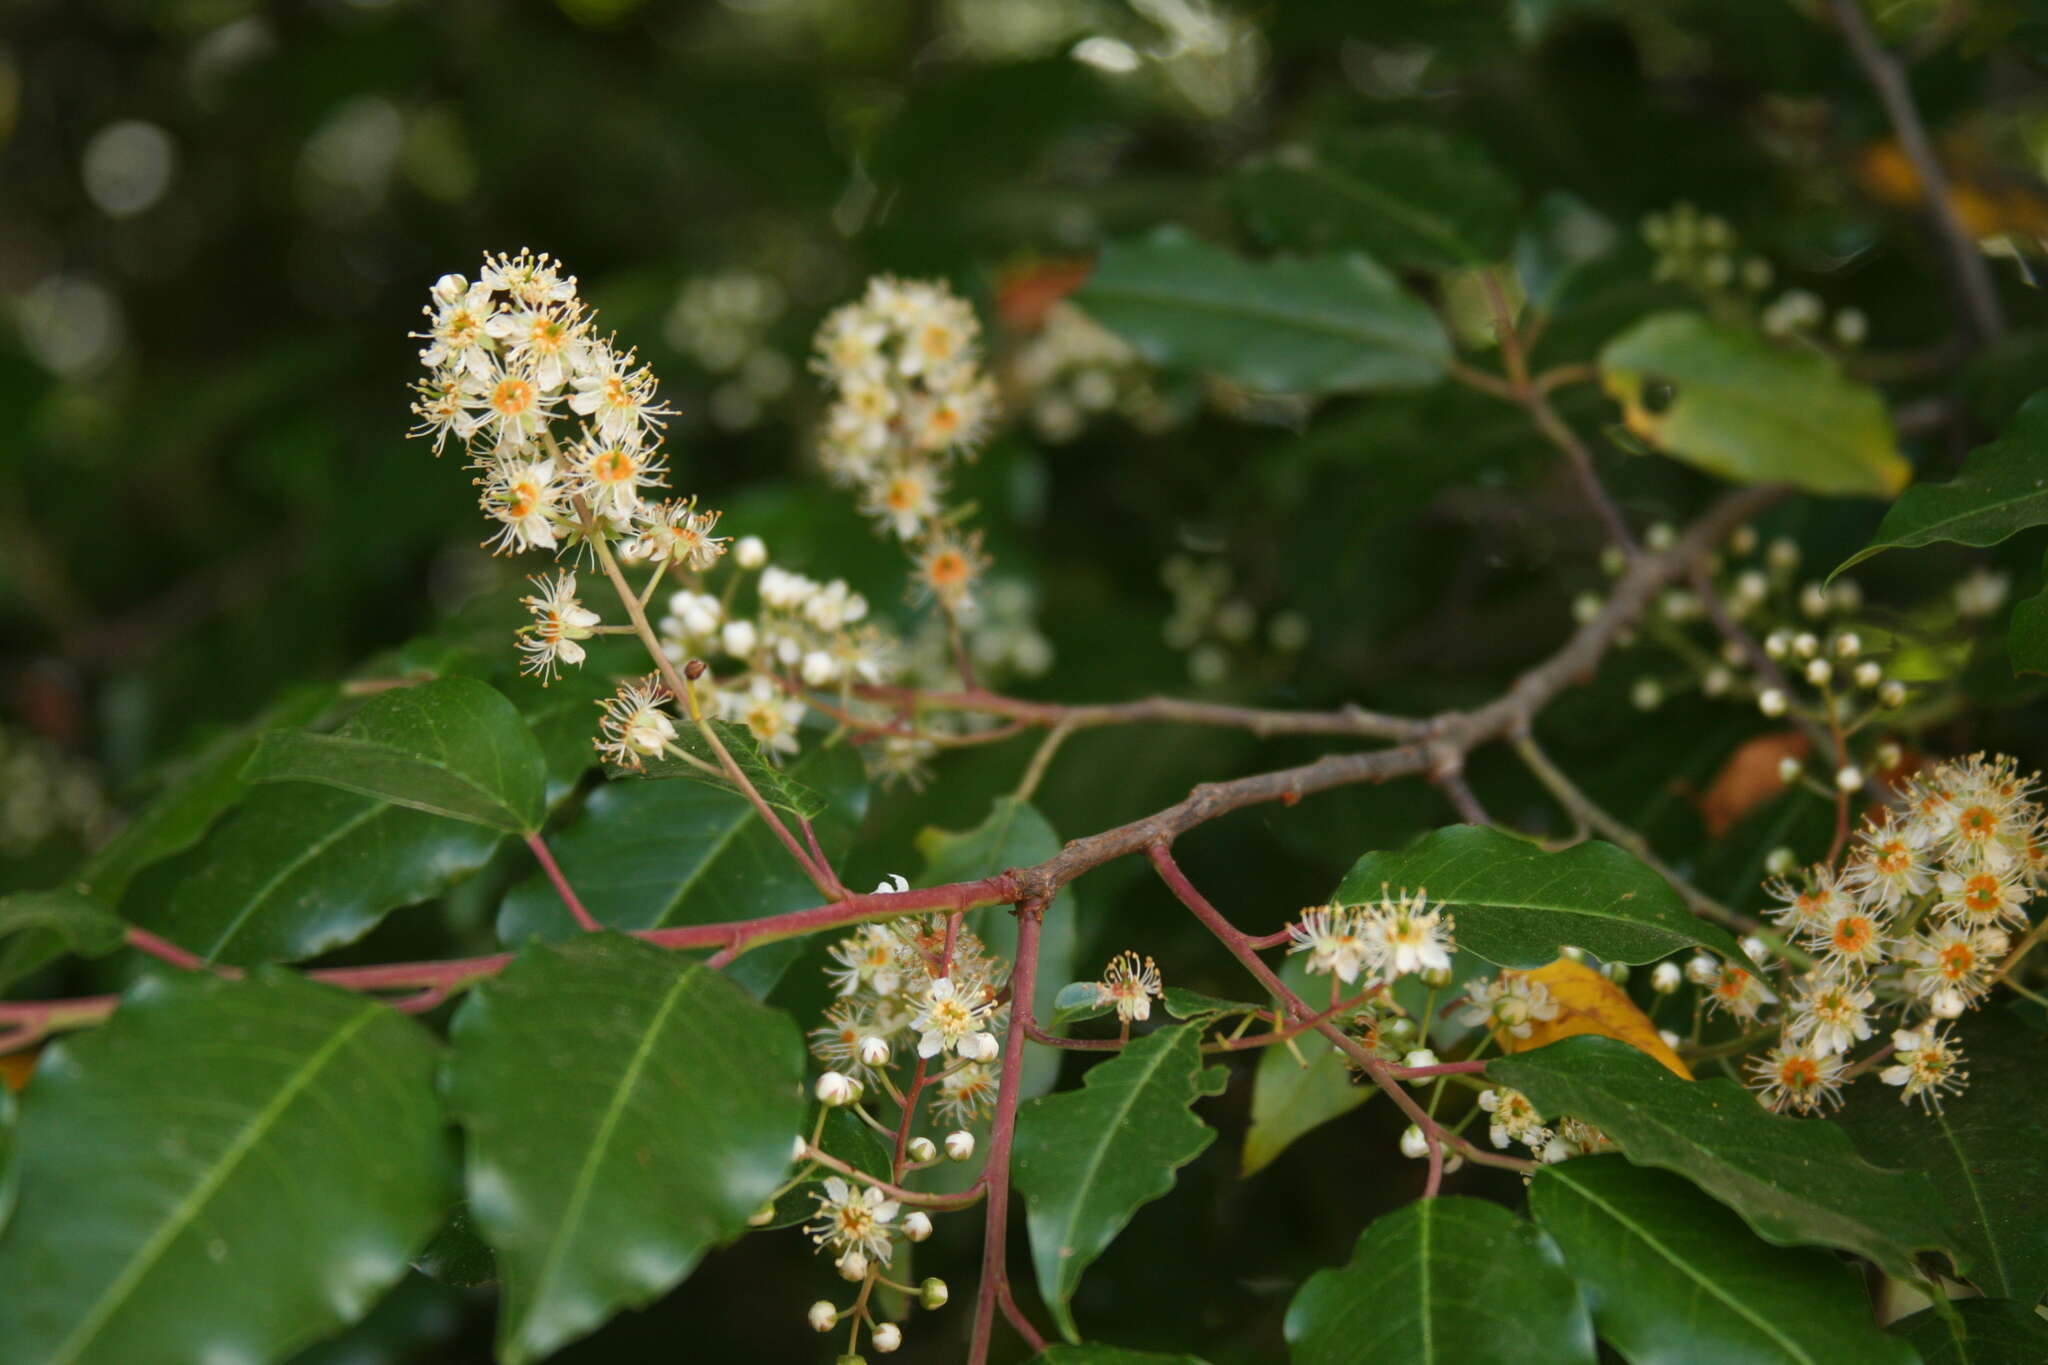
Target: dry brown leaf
pixel 1588 1002
pixel 1748 779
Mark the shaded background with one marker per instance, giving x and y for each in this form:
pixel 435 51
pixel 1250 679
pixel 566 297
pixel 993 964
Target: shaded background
pixel 218 222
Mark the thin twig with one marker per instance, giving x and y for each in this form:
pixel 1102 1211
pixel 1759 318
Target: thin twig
pixel 996 1173
pixel 561 883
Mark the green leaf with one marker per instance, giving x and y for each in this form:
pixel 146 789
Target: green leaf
pixel 1996 1332
pixel 774 785
pixel 1085 1160
pixel 1672 1275
pixel 1796 1182
pixel 1986 1152
pixel 1089 1354
pixel 1182 1003
pixel 1298 1087
pixel 1517 905
pixel 626 1110
pixel 1323 324
pixel 1013 835
pixel 309 868
pixel 226 1170
pixel 1077 1000
pixel 649 855
pixel 1411 196
pixel 847 1137
pixel 10 1172
pixel 81 923
pixel 1446 1280
pixel 458 1256
pixel 454 747
pixel 2027 636
pixel 1735 404
pixel 2001 491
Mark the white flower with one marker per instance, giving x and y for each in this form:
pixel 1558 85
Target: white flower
pixel 1797 1079
pixel 1831 1016
pixel 921 1150
pixel 1925 1066
pixel 819 669
pixel 1514 1119
pixel 1407 936
pixel 852 1265
pixel 550 341
pixel 676 531
pixel 1413 1143
pixel 1511 1003
pixel 835 1090
pixel 853 1219
pixel 1130 985
pixel 619 394
pixel 1665 978
pixel 950 1016
pixel 739 638
pixel 1332 937
pixel 750 553
pixel 527 502
pixel 634 727
pixel 866 958
pixel 769 715
pixel 559 621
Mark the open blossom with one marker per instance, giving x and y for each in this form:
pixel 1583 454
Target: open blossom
pixel 951 1015
pixel 1888 869
pixel 853 1218
pixel 612 472
pixel 1798 1079
pixel 1831 1016
pixel 1984 897
pixel 559 621
pixel 1949 966
pixel 1807 908
pixel 1851 940
pixel 634 727
pixel 618 393
pixel 1515 1119
pixel 1510 1003
pixel 867 960
pixel 966 1092
pixel 527 502
pixel 676 532
pixel 1334 939
pixel 1129 985
pixel 1925 1065
pixel 1739 992
pixel 1408 936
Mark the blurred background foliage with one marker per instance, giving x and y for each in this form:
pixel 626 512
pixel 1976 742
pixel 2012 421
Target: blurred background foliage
pixel 218 221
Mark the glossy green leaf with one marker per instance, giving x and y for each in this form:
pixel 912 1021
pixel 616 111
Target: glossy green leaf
pixel 1085 1160
pixel 309 868
pixel 1442 1282
pixel 80 923
pixel 1673 1276
pixel 1737 405
pixel 1089 1354
pixel 1410 196
pixel 1182 1003
pixel 626 1110
pixel 1289 1098
pixel 224 1171
pixel 1322 324
pixel 774 784
pixel 847 1137
pixel 452 747
pixel 1796 1182
pixel 1077 1000
pixel 458 1256
pixel 1013 835
pixel 1994 1332
pixel 1517 905
pixel 648 855
pixel 1986 1152
pixel 10 1173
pixel 2001 490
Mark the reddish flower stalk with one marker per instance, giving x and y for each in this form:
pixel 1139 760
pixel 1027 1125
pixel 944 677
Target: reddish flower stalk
pixel 993 1293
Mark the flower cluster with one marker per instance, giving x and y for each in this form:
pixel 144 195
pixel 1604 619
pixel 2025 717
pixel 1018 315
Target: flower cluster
pixel 909 396
pixel 1380 941
pixel 1073 369
pixel 1915 924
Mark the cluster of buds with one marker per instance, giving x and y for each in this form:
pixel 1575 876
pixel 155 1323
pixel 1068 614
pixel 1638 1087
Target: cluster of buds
pixel 1700 251
pixel 722 323
pixel 1218 627
pixel 909 396
pixel 1072 369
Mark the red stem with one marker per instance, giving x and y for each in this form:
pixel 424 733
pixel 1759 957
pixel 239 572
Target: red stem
pixel 994 1284
pixel 562 887
pixel 164 950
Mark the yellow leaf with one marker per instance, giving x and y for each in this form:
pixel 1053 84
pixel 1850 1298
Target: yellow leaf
pixel 1588 1002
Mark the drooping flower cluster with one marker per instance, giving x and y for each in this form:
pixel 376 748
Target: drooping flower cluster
pixel 1914 924
pixel 909 397
pixel 1379 941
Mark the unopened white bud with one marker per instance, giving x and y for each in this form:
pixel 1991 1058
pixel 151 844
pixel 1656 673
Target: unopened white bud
pixel 1398 1030
pixel 933 1293
pixel 1647 694
pixel 1716 681
pixel 1665 978
pixel 1818 673
pixel 1751 587
pixel 1845 594
pixel 1869 673
pixel 1670 1039
pixel 1701 969
pixel 749 552
pixel 874 1051
pixel 1742 540
pixel 917 1226
pixel 1777 643
pixel 886 1337
pixel 1789 769
pixel 1780 861
pixel 739 638
pixel 1756 948
pixel 1783 554
pixel 1806 644
pixel 1892 693
pixel 923 1149
pixel 853 1266
pixel 959 1145
pixel 1848 645
pixel 1421 1056
pixel 1813 601
pixel 1436 978
pixel 450 287
pixel 1660 537
pixel 835 1089
pixel 1851 327
pixel 1573 951
pixel 823 1316
pixel 1586 607
pixel 820 669
pixel 1413 1144
pixel 1889 756
pixel 1771 701
pixel 1849 778
pixel 1617 972
pixel 983 1047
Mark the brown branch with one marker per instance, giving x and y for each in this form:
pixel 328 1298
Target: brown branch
pixel 1887 76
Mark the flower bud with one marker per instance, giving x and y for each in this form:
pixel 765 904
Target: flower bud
pixel 1436 978
pixel 820 669
pixel 450 287
pixel 853 1266
pixel 739 638
pixel 886 1337
pixel 1848 645
pixel 1422 1056
pixel 1758 950
pixel 1701 969
pixel 1647 694
pixel 1613 561
pixel 1780 861
pixel 1751 587
pixel 1806 644
pixel 1783 554
pixel 1659 537
pixel 1777 643
pixel 932 1293
pixel 1617 972
pixel 1892 694
pixel 1818 673
pixel 1813 601
pixel 749 552
pixel 1413 1144
pixel 1869 673
pixel 1849 778
pixel 1398 1031
pixel 1586 607
pixel 798 1147
pixel 1771 701
pixel 917 1225
pixel 1670 1039
pixel 1716 681
pixel 834 1089
pixel 823 1316
pixel 983 1047
pixel 874 1051
pixel 1742 540
pixel 1789 769
pixel 959 1145
pixel 922 1149
pixel 1889 756
pixel 694 669
pixel 1665 978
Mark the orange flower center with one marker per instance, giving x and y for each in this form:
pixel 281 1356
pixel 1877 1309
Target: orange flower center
pixel 947 568
pixel 1894 858
pixel 1982 894
pixel 1977 823
pixel 1852 933
pixel 1957 960
pixel 512 397
pixel 614 466
pixel 1798 1073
